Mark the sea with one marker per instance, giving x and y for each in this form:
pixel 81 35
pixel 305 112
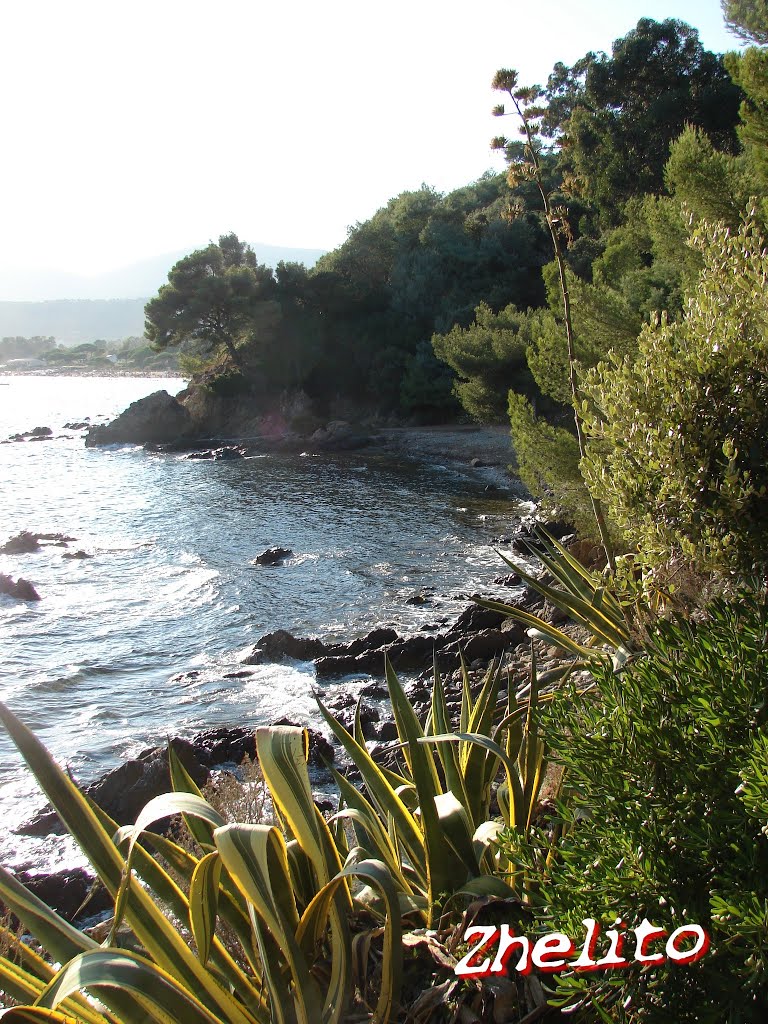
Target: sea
pixel 144 639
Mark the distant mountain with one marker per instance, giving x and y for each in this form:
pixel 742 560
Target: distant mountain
pixel 139 280
pixel 73 321
pixel 73 308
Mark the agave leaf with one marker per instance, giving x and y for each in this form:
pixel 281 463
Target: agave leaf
pixel 457 830
pixel 25 987
pixel 443 864
pixel 440 723
pixel 204 903
pixel 256 858
pixel 408 729
pixel 155 810
pixel 405 827
pixel 489 885
pixel 608 628
pixel 312 926
pixel 128 972
pixel 466 696
pixel 282 756
pixel 477 771
pixel 231 905
pixel 548 632
pixel 182 782
pixel 151 927
pixel 36 1015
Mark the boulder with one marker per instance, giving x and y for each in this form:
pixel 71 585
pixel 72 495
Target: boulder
pixel 224 746
pixel 156 418
pixel 22 544
pixel 510 580
pixel 282 644
pixel 77 425
pixel 272 556
pixel 219 454
pixel 474 618
pixel 76 554
pixel 66 891
pixel 22 589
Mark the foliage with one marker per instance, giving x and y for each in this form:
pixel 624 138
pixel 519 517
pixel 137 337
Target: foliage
pixel 430 820
pixel 216 297
pixel 547 461
pixel 665 803
pixel 748 19
pixel 677 432
pixel 618 115
pixel 281 895
pixel 283 891
pixel 489 358
pixel 750 71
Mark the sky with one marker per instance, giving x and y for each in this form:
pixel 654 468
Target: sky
pixel 141 128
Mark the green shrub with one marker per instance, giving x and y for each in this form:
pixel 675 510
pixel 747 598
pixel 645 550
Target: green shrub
pixel 677 433
pixel 664 816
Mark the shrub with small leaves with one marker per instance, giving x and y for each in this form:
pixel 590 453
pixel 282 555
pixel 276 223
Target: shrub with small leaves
pixel 664 817
pixel 677 432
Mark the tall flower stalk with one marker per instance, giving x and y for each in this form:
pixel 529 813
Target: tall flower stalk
pixel 524 99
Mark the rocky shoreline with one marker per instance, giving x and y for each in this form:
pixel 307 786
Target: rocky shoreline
pixel 483 637
pixel 162 425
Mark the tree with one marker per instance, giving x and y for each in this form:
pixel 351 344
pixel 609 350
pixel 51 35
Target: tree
pixel 747 19
pixel 217 297
pixel 676 433
pixel 617 116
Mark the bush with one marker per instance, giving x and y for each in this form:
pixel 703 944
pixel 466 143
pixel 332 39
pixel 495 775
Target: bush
pixel 665 817
pixel 677 433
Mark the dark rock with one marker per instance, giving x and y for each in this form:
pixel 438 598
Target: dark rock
pixel 156 418
pixel 477 463
pixel 373 641
pixel 511 580
pixel 124 791
pixel 22 544
pixel 474 618
pixel 411 654
pixel 282 644
pixel 491 642
pixel 66 891
pixel 238 675
pixel 371 663
pixel 219 454
pixel 76 554
pixel 224 746
pixel 374 691
pixel 418 599
pixel 84 425
pixel 272 556
pixel 39 432
pixel 21 590
pixel 387 732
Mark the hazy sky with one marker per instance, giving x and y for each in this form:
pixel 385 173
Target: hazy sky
pixel 132 129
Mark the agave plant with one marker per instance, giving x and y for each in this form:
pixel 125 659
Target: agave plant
pixel 430 821
pixel 284 892
pixel 580 594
